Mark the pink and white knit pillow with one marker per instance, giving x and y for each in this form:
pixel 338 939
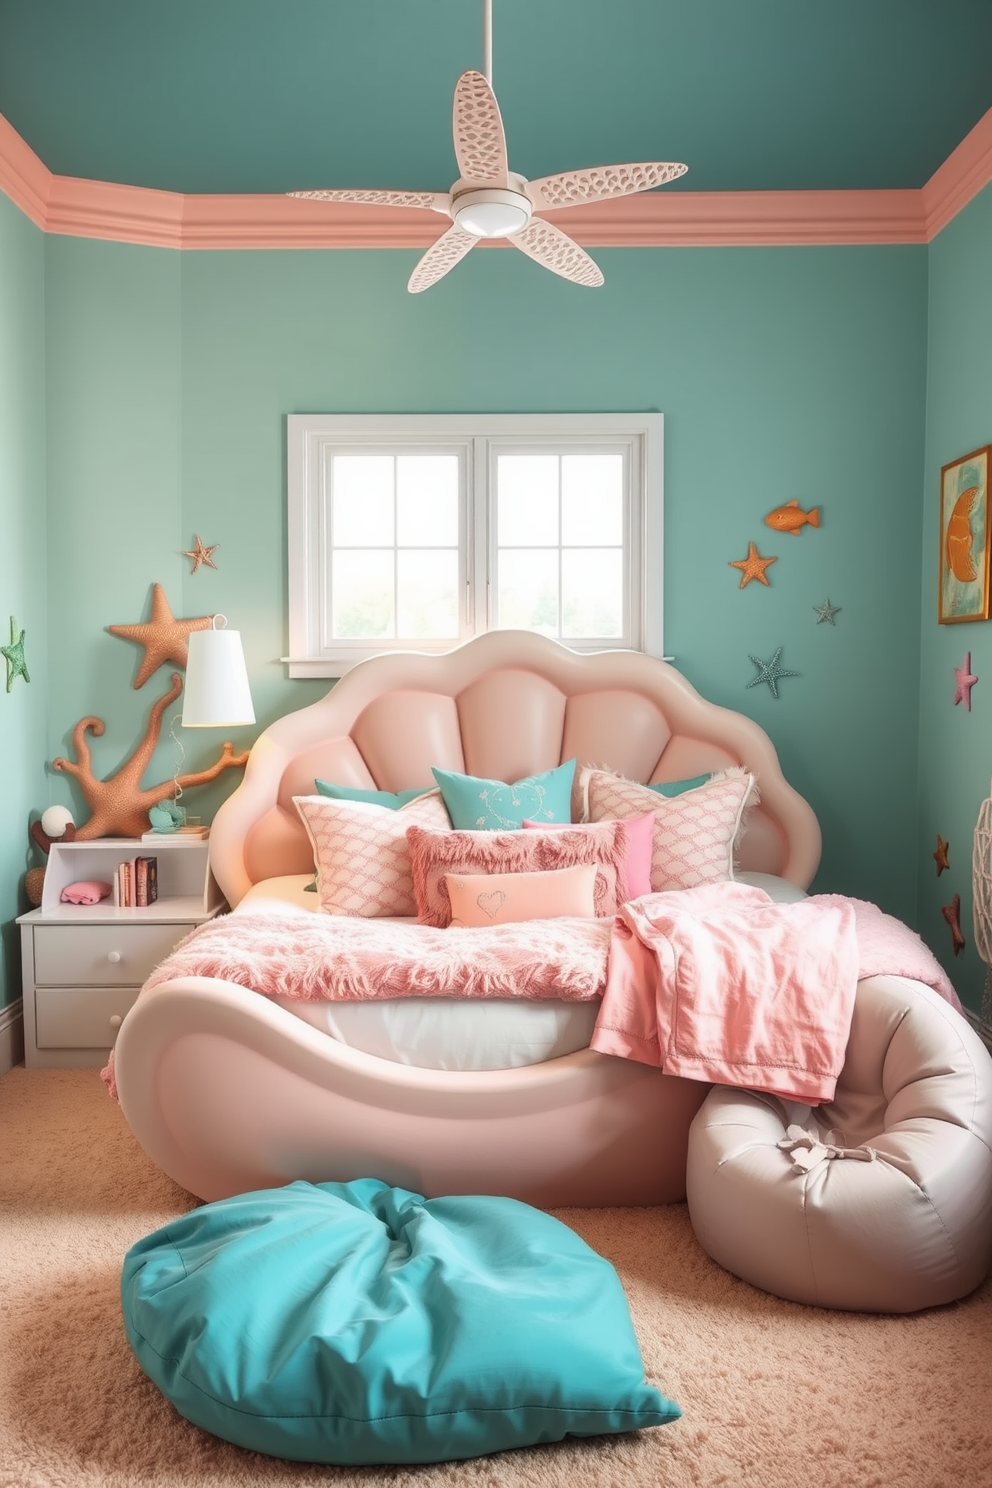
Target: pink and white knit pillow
pixel 361 853
pixel 434 854
pixel 695 834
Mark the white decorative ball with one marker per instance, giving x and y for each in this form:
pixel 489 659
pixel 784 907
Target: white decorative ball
pixel 55 820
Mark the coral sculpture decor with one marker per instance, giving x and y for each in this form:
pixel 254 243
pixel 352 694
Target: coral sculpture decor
pixel 118 804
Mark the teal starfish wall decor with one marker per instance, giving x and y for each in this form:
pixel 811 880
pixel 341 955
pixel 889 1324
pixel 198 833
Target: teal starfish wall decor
pixel 770 671
pixel 826 613
pixel 14 655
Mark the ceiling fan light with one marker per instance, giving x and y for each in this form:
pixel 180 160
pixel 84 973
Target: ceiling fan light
pixel 491 213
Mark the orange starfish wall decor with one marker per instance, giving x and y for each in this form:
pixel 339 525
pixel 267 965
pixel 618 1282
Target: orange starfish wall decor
pixel 753 566
pixel 952 914
pixel 163 637
pixel 940 856
pixel 201 552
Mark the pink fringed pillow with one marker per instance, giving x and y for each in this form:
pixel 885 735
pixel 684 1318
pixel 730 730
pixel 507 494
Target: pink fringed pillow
pixel 433 854
pixel 640 842
pixel 695 834
pixel 361 852
pixel 479 899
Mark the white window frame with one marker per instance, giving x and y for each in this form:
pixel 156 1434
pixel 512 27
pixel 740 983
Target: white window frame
pixel 478 439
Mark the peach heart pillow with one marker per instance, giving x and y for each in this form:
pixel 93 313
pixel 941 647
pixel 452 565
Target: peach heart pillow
pixel 434 854
pixel 361 852
pixel 695 834
pixel 479 899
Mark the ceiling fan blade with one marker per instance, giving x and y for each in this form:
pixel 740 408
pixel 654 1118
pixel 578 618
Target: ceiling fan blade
pixel 440 258
pixel 557 251
pixel 435 201
pixel 600 182
pixel 480 144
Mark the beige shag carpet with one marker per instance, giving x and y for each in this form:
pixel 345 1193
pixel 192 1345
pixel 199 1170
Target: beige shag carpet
pixel 774 1395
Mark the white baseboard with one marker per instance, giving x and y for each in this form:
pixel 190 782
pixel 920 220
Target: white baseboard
pixel 11 1036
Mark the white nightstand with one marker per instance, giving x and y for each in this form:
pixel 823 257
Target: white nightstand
pixel 84 965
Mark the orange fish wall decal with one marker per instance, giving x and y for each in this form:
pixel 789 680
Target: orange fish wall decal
pixel 960 538
pixel 789 518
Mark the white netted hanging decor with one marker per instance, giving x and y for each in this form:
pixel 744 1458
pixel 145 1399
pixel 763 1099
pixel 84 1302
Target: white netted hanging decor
pixel 981 881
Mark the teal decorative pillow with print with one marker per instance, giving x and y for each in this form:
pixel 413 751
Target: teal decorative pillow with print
pixel 678 787
pixel 392 800
pixel 354 1323
pixel 478 805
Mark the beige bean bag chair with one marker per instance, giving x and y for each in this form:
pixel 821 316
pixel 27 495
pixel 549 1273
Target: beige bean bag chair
pixel 880 1200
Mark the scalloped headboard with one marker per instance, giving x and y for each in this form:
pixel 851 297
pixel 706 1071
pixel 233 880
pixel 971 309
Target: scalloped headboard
pixel 507 704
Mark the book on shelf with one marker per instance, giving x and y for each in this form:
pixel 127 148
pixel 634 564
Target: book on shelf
pixel 182 834
pixel 137 882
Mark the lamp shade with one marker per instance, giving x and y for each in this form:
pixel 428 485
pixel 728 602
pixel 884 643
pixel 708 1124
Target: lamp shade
pixel 217 694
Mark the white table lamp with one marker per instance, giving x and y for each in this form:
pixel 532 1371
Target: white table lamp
pixel 217 694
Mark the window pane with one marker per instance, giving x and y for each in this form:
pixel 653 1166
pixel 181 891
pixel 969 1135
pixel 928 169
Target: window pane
pixel 527 590
pixel 526 499
pixel 362 501
pixel 592 593
pixel 427 500
pixel 427 595
pixel 592 499
pixel 362 595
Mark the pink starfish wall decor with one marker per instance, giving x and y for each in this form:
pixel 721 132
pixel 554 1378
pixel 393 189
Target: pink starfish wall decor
pixel 964 681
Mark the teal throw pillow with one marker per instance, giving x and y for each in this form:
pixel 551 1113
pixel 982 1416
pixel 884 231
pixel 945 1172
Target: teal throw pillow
pixel 678 787
pixel 477 805
pixel 393 800
pixel 355 1323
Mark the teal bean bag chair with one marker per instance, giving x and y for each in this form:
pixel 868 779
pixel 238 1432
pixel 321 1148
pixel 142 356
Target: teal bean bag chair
pixel 356 1323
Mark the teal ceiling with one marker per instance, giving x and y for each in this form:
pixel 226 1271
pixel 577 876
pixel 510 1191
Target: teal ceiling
pixel 268 95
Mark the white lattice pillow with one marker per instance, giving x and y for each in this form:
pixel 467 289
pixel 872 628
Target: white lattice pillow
pixel 695 834
pixel 361 853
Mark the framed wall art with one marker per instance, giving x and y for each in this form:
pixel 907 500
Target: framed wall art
pixel 963 576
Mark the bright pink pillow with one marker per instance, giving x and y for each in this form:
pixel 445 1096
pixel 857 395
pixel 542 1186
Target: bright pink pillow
pixel 479 899
pixel 433 854
pixel 640 839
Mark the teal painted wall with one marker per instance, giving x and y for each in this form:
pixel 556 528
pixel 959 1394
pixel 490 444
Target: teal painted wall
pixel 955 745
pixel 781 372
pixel 23 736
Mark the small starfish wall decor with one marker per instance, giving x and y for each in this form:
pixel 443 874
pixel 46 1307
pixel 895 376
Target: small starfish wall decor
pixel 14 655
pixel 770 672
pixel 964 681
pixel 940 856
pixel 952 914
pixel 752 567
pixel 201 553
pixel 825 613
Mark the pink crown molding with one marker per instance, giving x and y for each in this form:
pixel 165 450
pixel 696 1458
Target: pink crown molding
pixel 168 219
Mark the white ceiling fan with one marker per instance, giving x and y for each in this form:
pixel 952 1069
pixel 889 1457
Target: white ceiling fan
pixel 490 201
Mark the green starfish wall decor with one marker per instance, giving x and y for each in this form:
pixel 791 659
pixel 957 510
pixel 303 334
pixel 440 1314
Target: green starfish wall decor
pixel 770 671
pixel 14 655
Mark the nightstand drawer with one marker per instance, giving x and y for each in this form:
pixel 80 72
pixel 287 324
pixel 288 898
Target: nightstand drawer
pixel 98 955
pixel 80 1018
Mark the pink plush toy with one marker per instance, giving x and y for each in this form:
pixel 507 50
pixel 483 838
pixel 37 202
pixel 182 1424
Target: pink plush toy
pixel 88 891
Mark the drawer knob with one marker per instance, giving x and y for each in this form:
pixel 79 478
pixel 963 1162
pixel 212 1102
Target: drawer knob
pixel 116 1020
pixel 114 956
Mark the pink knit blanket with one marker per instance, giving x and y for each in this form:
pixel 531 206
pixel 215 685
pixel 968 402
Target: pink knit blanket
pixel 319 957
pixel 720 984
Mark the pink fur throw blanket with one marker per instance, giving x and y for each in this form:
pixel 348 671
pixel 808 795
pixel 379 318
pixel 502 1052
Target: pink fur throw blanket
pixel 718 983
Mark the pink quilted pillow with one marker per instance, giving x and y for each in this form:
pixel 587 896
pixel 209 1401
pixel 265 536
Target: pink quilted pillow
pixel 640 840
pixel 695 834
pixel 361 853
pixel 433 854
pixel 479 899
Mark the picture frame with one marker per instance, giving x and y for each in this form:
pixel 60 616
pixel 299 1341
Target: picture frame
pixel 963 572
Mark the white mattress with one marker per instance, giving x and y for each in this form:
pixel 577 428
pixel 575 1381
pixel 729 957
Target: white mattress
pixel 441 1032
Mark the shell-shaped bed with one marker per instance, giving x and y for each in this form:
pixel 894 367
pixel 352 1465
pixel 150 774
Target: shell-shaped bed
pixel 228 1092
